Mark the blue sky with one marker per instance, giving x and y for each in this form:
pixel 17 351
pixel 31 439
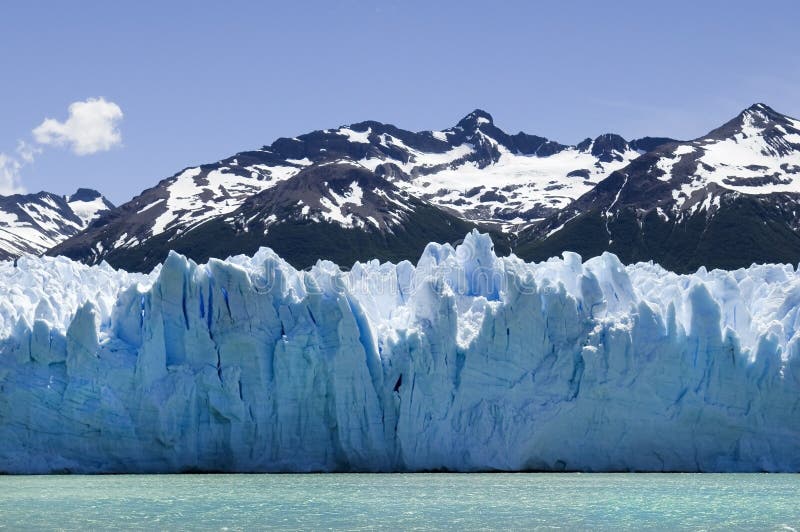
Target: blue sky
pixel 197 81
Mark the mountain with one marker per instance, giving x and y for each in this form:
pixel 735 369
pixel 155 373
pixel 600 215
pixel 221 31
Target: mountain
pixel 727 199
pixel 34 223
pixel 339 211
pixel 297 195
pixel 483 174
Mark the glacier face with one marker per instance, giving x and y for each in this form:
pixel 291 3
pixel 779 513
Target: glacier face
pixel 465 362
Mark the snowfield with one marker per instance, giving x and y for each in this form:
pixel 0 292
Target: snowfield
pixel 515 182
pixel 464 362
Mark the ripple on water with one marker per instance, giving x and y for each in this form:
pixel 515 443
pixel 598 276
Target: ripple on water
pixel 418 501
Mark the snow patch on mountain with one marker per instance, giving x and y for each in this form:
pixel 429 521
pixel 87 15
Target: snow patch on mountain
pixel 88 210
pixel 515 183
pixel 333 207
pixel 195 197
pixel 748 165
pixel 416 160
pixel 668 161
pixel 355 136
pixel 88 205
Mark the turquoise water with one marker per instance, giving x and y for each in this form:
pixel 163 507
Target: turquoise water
pixel 436 501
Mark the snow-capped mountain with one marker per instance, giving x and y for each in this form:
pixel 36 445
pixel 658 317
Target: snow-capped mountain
pixel 486 175
pixel 338 211
pixel 34 223
pixel 472 172
pixel 726 199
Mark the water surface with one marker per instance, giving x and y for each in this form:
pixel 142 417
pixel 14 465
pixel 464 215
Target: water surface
pixel 390 502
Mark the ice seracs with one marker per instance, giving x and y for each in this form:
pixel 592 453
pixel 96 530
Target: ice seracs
pixel 466 361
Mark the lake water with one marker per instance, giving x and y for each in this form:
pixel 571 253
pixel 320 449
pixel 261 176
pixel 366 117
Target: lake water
pixel 391 502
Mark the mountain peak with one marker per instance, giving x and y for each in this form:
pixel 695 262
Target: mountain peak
pixel 759 119
pixel 760 112
pixel 760 107
pixel 84 194
pixel 763 116
pixel 475 119
pixel 609 147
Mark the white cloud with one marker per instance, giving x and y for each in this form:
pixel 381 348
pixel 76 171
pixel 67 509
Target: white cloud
pixel 9 175
pixel 91 127
pixel 10 167
pixel 27 152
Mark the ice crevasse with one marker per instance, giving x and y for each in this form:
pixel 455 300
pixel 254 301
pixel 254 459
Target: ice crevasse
pixel 464 362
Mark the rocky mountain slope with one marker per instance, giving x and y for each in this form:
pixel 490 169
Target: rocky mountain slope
pixel 339 211
pixel 727 199
pixel 34 223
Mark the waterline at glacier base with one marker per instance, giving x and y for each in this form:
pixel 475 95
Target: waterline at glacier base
pixel 466 362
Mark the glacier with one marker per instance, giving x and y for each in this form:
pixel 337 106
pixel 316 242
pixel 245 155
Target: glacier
pixel 465 362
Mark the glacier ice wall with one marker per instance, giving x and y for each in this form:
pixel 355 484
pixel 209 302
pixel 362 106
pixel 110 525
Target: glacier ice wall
pixel 465 362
